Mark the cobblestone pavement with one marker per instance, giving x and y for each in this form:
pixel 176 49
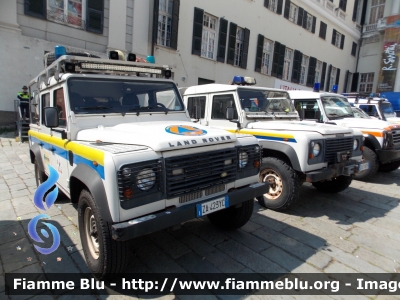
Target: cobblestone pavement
pixel 353 231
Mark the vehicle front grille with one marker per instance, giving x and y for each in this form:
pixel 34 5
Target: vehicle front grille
pixel 337 145
pixel 396 138
pixel 189 173
pixel 199 194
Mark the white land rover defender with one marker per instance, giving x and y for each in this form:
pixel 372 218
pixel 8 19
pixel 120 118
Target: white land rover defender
pixel 293 152
pixel 374 106
pixel 127 152
pixel 382 139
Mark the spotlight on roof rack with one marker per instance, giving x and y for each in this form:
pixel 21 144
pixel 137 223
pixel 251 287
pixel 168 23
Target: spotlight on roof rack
pixel 69 67
pixel 316 87
pixel 167 74
pixel 116 55
pixel 240 80
pixel 131 57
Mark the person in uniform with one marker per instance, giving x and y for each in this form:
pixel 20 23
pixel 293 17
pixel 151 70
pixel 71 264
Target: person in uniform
pixel 24 98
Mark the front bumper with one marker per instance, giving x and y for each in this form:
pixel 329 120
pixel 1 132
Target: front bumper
pixel 345 168
pixel 168 218
pixel 387 156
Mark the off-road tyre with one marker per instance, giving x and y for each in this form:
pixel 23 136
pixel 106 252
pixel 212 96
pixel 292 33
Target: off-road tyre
pixel 40 176
pixel 274 168
pixel 370 156
pixel 233 217
pixel 51 57
pixel 112 255
pixel 333 186
pixel 393 166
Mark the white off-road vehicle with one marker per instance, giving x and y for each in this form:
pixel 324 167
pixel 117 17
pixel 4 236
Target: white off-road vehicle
pixel 374 106
pixel 382 139
pixel 127 152
pixel 293 152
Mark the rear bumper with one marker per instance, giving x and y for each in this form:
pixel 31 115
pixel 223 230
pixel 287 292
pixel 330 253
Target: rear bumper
pixel 167 218
pixel 387 156
pixel 348 168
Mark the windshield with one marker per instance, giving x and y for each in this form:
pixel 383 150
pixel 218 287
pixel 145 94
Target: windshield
pixel 337 107
pixel 104 96
pixel 387 110
pixel 359 113
pixel 253 100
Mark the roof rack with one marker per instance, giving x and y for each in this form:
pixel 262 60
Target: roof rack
pixel 88 65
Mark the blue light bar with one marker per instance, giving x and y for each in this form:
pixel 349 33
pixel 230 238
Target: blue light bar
pixel 238 80
pixel 334 88
pixel 317 87
pixel 59 51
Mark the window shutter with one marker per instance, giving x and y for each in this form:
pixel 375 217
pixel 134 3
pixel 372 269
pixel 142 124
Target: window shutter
pixel 279 7
pixel 333 37
pixel 323 73
pixel 287 9
pixel 328 82
pixel 311 71
pixel 354 49
pixel 337 77
pixel 231 43
pixel 197 31
pixel 259 53
pixel 275 61
pixel 314 22
pixel 354 82
pixel 223 33
pixel 175 24
pixel 354 18
pixel 35 8
pixel 266 3
pixel 300 16
pixel 304 19
pixel 342 42
pixel 346 81
pixel 296 66
pixel 245 48
pixel 281 60
pixel 155 21
pixel 322 30
pixel 95 16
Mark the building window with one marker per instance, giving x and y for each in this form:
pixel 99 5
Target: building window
pixel 287 66
pixel 357 11
pixel 366 82
pixel 239 47
pixel 354 49
pixel 164 23
pixel 293 12
pixel 309 22
pixel 322 30
pixel 333 77
pixel 266 57
pixel 338 39
pixel 343 4
pixel 377 10
pixel 273 5
pixel 83 14
pixel 209 36
pixel 303 70
pixel 318 69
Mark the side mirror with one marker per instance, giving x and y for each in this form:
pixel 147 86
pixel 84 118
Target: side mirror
pixel 51 118
pixel 229 113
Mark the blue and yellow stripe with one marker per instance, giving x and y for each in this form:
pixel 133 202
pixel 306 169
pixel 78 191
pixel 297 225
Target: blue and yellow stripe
pixel 282 137
pixel 91 157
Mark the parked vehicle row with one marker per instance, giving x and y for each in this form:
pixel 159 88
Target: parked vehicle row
pixel 138 155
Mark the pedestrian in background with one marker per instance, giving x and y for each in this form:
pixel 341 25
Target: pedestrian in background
pixel 24 98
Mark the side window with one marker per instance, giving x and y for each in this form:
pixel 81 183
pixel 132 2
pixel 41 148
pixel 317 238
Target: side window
pixel 310 109
pixel 59 102
pixel 219 105
pixel 45 102
pixel 370 110
pixel 192 102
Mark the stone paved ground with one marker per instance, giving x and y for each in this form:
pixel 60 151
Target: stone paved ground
pixel 354 231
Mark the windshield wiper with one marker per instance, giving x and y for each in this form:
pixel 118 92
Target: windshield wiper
pixel 95 107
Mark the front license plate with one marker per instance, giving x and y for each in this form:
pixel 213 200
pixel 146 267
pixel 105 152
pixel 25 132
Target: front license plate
pixel 364 166
pixel 212 206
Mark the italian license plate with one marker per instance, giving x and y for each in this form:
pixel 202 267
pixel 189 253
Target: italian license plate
pixel 212 206
pixel 364 166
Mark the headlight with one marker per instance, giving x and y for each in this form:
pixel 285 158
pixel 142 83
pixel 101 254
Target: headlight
pixel 355 144
pixel 316 149
pixel 243 159
pixel 126 172
pixel 145 179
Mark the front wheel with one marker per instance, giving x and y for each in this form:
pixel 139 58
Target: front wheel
pixel 284 184
pixel 334 185
pixel 233 217
pixel 370 156
pixel 389 167
pixel 104 256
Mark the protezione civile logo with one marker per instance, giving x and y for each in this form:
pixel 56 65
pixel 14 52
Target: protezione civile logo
pixel 49 200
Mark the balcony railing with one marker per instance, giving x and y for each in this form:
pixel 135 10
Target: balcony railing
pixel 369 28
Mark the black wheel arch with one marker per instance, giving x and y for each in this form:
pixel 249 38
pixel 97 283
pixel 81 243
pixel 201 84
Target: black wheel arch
pixel 372 143
pixel 283 152
pixel 34 153
pixel 85 177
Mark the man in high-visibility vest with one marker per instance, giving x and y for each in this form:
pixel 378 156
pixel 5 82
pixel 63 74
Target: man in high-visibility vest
pixel 24 98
